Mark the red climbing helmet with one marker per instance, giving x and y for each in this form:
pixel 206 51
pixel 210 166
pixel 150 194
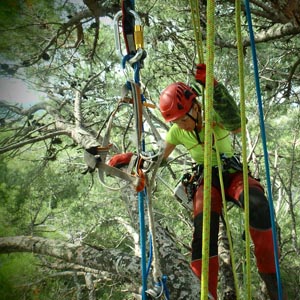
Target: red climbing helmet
pixel 176 100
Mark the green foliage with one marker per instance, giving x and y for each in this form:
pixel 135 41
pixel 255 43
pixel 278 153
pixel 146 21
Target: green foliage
pixel 42 190
pixel 16 272
pixel 27 19
pixel 31 191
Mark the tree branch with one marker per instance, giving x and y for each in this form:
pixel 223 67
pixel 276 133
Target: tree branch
pixel 32 141
pixel 111 260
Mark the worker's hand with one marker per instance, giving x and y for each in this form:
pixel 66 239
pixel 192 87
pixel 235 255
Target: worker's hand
pixel 120 160
pixel 200 75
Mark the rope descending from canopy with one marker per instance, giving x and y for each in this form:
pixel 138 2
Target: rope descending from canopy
pixel 133 38
pixel 208 147
pixel 208 134
pixel 244 144
pixel 263 137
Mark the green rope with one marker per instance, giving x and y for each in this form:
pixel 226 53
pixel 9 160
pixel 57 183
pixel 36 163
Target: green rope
pixel 208 143
pixel 197 29
pixel 227 220
pixel 208 147
pixel 244 143
pixel 198 35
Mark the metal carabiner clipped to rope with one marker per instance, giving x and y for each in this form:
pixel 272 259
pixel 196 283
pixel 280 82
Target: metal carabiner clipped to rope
pixel 134 40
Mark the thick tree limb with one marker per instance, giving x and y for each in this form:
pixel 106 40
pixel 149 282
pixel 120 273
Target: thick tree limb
pixel 112 260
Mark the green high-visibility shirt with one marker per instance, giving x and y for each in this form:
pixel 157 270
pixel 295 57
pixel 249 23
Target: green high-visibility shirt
pixel 226 118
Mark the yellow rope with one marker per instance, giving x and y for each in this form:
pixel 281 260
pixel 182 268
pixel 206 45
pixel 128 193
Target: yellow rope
pixel 244 142
pixel 226 220
pixel 208 147
pixel 208 143
pixel 197 29
pixel 198 34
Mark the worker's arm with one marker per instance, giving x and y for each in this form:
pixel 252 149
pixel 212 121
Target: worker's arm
pixel 168 150
pixel 223 103
pixel 227 109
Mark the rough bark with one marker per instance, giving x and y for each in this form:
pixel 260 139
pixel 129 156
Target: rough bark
pixel 181 282
pixel 226 274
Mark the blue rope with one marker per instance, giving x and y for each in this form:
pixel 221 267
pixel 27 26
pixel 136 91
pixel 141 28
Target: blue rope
pixel 136 67
pixel 263 137
pixel 126 58
pixel 142 243
pixel 128 85
pixel 142 195
pixel 164 282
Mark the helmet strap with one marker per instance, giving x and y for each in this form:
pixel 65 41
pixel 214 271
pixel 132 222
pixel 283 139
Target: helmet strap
pixel 197 135
pixel 196 126
pixel 194 119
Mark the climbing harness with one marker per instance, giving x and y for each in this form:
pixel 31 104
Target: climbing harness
pixel 191 181
pixel 229 163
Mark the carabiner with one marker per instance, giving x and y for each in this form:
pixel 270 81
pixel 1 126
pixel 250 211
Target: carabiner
pixel 136 42
pixel 117 33
pixel 139 54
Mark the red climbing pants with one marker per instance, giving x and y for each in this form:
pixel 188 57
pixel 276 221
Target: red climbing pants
pixel 213 267
pixel 260 224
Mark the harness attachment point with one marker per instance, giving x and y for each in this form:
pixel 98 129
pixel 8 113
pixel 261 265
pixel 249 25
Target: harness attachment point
pixel 192 180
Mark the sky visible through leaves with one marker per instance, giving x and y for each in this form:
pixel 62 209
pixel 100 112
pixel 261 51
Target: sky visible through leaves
pixel 16 91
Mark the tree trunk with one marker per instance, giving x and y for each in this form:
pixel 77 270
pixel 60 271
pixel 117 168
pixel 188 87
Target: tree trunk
pixel 226 280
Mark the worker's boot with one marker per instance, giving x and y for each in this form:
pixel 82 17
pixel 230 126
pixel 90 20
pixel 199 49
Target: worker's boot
pixel 196 266
pixel 271 283
pixel 265 260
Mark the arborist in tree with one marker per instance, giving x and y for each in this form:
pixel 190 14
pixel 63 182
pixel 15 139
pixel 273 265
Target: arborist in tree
pixel 179 105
